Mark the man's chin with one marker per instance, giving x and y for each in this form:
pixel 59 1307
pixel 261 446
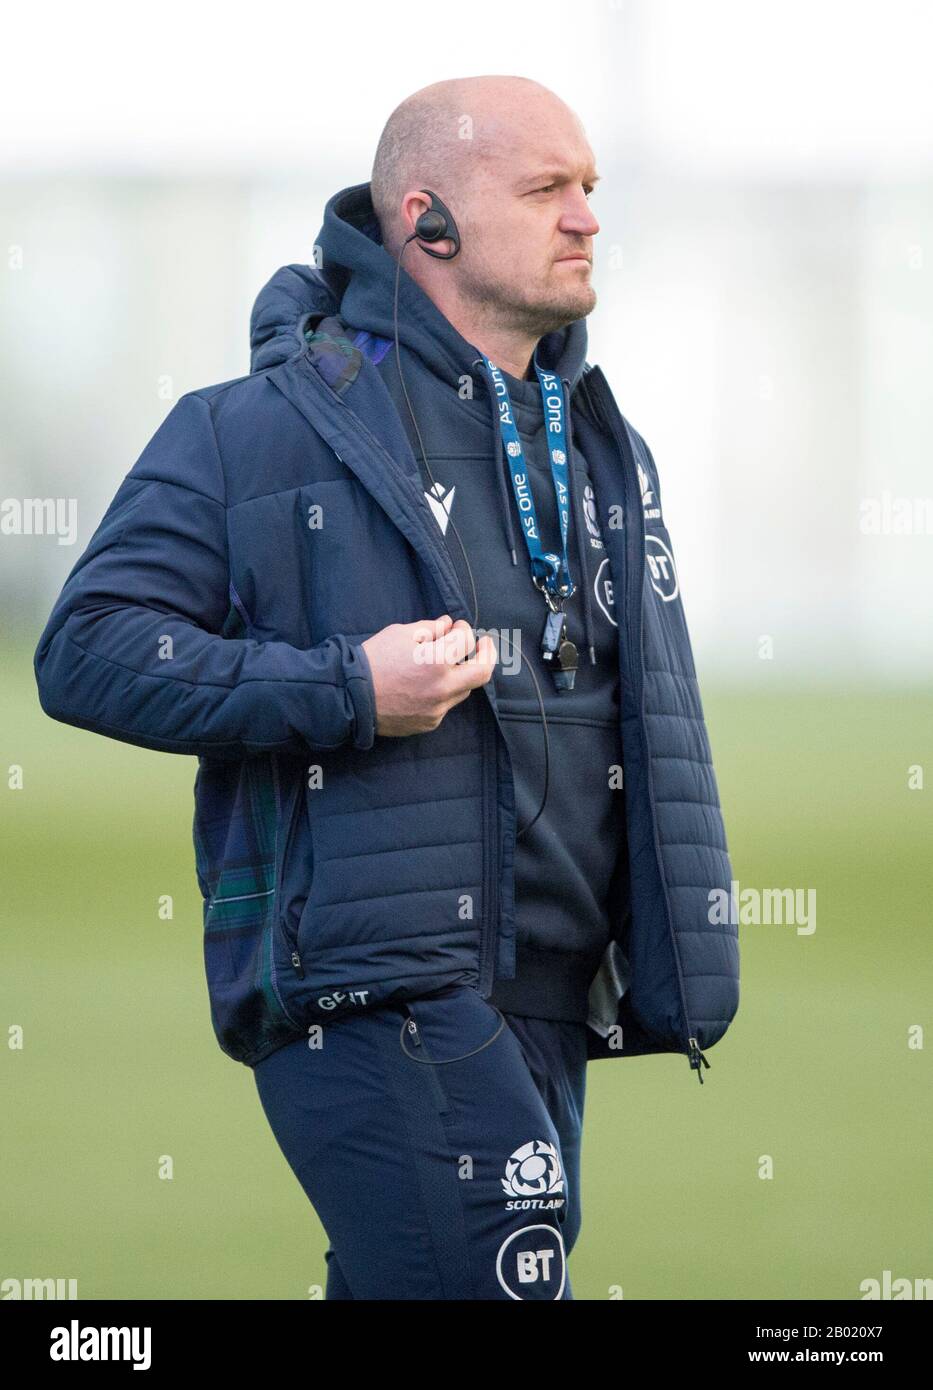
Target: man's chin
pixel 576 306
pixel 554 314
pixel 588 302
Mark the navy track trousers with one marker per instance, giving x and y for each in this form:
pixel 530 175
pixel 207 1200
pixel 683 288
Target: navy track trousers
pixel 436 1178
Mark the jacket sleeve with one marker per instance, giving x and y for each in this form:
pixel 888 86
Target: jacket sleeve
pixel 133 648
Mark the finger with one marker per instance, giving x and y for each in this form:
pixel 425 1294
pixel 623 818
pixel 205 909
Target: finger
pixel 442 626
pixel 459 642
pixel 486 654
pixel 430 629
pixel 477 671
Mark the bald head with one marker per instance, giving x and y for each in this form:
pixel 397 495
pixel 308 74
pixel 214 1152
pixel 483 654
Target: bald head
pixel 446 136
pixel 512 163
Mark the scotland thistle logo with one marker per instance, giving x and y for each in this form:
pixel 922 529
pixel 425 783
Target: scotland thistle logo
pixel 534 1176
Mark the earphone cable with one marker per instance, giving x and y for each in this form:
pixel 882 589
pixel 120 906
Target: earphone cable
pixel 398 363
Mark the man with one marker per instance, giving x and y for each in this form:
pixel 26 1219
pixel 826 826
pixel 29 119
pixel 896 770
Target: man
pixel 351 583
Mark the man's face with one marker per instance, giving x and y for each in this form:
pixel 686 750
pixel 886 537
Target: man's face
pixel 527 229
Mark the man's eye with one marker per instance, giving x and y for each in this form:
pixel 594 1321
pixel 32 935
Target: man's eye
pixel 549 186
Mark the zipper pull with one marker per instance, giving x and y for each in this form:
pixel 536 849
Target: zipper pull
pixel 696 1057
pixel 413 1030
pixel 296 962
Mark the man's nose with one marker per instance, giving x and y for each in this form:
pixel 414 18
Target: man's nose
pixel 578 216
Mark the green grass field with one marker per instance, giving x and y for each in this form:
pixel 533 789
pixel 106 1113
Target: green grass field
pixel 120 1067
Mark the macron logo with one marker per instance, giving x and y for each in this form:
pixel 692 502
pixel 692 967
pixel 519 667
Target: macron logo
pixel 441 500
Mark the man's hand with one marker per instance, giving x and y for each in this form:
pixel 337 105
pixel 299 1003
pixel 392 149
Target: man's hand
pixel 420 670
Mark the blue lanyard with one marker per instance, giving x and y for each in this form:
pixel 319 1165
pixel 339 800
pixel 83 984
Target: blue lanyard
pixel 545 566
pixel 549 572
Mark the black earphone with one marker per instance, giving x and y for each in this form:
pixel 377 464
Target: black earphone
pixel 436 224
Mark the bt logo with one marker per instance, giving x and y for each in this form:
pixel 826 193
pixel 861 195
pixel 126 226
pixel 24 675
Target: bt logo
pixel 660 563
pixel 531 1264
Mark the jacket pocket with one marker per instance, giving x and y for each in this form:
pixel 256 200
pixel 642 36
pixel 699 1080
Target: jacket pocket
pixel 292 795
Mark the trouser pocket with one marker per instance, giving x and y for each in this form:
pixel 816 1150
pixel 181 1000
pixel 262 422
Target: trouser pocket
pixel 415 1047
pixel 446 1028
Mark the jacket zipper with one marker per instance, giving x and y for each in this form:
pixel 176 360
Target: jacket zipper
pixel 695 1057
pixel 489 936
pixel 295 803
pixel 443 563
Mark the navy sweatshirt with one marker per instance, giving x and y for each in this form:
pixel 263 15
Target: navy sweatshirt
pixel 566 862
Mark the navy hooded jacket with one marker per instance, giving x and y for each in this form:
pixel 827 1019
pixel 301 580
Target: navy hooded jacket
pixel 271 525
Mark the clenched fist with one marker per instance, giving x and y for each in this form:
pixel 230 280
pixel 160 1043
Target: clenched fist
pixel 420 670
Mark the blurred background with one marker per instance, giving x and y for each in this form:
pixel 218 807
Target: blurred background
pixel 765 279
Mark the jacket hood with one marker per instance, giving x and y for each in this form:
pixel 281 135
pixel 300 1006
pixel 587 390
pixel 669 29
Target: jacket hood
pixel 280 307
pixel 356 278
